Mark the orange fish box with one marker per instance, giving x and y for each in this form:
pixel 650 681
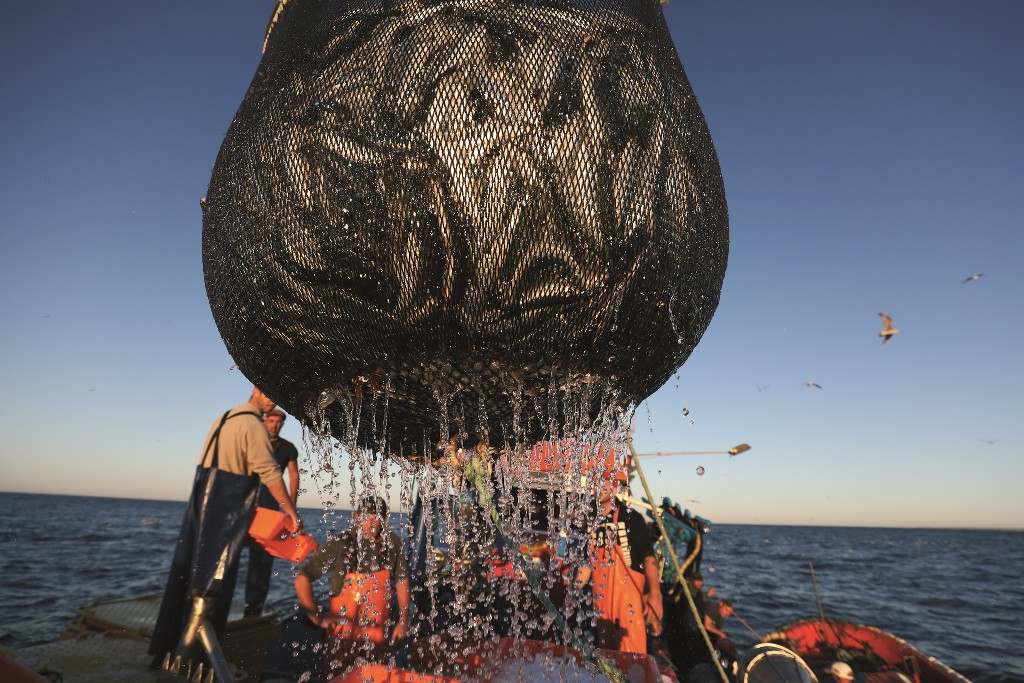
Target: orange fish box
pixel 270 529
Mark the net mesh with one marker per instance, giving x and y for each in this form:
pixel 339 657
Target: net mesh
pixel 434 210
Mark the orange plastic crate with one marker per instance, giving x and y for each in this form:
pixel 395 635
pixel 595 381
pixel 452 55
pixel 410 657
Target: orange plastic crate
pixel 267 524
pixel 270 529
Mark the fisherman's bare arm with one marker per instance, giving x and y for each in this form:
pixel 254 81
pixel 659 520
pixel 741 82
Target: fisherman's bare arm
pixel 402 625
pixel 293 481
pixel 280 494
pixel 304 591
pixel 583 576
pixel 709 626
pixel 654 608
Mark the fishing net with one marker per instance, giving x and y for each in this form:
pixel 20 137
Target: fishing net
pixel 443 215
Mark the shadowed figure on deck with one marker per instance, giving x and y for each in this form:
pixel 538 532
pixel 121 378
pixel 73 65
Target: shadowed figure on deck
pixel 235 458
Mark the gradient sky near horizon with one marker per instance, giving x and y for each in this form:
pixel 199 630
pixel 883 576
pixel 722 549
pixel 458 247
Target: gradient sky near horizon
pixel 873 155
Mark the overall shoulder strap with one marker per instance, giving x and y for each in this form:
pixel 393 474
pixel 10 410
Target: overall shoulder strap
pixel 215 438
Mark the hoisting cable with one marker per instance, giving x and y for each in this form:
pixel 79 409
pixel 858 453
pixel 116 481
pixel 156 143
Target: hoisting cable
pixel 656 512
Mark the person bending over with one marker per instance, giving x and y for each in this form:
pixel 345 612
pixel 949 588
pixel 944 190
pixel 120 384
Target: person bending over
pixel 366 566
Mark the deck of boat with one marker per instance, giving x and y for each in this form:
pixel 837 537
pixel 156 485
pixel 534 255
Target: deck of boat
pixel 108 642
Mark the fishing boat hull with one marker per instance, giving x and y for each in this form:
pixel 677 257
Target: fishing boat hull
pixel 876 655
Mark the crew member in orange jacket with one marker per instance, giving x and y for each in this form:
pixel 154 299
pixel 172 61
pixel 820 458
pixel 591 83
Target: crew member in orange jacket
pixel 366 565
pixel 625 575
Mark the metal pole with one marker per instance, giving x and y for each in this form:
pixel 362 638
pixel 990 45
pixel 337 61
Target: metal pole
pixel 220 664
pixel 747 626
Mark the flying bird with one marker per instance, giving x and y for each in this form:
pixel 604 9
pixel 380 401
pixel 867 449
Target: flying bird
pixel 887 329
pixel 976 276
pixel 990 442
pixel 812 384
pixel 764 387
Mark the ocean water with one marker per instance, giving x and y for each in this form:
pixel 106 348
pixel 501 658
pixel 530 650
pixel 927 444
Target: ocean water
pixel 957 595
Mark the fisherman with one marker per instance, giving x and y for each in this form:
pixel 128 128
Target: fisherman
pixel 716 611
pixel 235 457
pixel 261 563
pixel 686 646
pixel 366 566
pixel 625 575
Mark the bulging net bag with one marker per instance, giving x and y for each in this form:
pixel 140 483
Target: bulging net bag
pixel 441 217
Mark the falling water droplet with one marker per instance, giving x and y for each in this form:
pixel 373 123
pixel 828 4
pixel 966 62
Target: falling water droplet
pixel 700 470
pixel 686 412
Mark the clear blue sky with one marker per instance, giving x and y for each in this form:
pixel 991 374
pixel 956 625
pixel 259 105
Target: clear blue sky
pixel 873 155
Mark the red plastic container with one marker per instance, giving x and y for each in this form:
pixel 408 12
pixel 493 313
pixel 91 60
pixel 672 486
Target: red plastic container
pixel 270 529
pixel 636 667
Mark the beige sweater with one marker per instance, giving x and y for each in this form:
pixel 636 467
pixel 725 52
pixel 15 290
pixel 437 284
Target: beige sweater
pixel 244 446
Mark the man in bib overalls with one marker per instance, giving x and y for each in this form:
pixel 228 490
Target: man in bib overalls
pixel 367 566
pixel 236 458
pixel 625 575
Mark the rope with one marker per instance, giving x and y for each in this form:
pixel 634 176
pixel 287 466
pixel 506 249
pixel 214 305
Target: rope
pixel 821 612
pixel 675 563
pixel 273 22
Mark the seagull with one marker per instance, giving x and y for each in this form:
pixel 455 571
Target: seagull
pixel 764 387
pixel 812 384
pixel 976 276
pixel 990 442
pixel 888 330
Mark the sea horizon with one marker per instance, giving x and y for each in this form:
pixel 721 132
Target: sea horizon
pixel 714 523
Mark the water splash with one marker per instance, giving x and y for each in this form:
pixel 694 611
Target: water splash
pixel 493 535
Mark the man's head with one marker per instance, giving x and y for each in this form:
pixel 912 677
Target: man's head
pixel 261 401
pixel 274 420
pixel 841 671
pixel 614 482
pixel 371 514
